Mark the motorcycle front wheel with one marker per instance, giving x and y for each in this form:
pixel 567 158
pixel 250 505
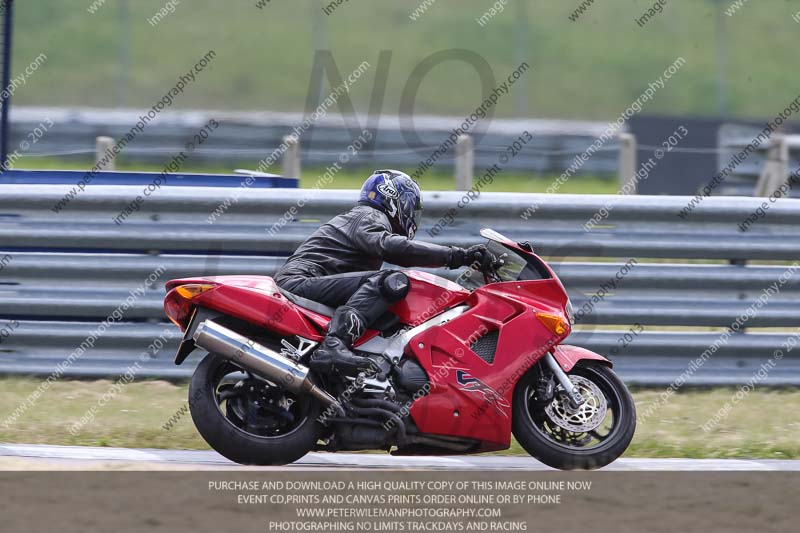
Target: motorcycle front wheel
pixel 249 420
pixel 584 438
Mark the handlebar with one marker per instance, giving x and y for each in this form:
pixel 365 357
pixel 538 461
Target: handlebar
pixel 489 265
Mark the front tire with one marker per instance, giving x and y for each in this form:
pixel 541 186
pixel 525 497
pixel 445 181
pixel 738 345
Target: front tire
pixel 251 422
pixel 549 433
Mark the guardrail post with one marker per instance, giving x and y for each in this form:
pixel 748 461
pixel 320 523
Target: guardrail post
pixel 465 163
pixel 627 163
pixel 776 168
pixel 291 157
pixel 101 146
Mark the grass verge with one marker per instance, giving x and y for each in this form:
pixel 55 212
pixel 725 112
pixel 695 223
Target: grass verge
pixel 764 425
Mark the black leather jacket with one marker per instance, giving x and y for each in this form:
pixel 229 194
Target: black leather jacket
pixel 359 240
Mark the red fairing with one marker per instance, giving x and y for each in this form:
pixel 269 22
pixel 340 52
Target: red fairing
pixel 568 355
pixel 256 299
pixel 428 296
pixel 469 396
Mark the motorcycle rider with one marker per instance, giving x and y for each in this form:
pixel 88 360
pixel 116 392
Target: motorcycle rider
pixel 339 265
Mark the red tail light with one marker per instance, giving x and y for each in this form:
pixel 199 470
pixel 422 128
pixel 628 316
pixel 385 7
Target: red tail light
pixel 178 303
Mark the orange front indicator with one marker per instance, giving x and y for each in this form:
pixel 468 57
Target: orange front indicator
pixel 557 324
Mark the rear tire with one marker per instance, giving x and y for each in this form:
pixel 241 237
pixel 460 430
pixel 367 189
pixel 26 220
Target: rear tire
pixel 219 431
pixel 528 422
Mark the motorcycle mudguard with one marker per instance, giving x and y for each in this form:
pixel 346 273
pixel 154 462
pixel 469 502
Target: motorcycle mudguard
pixel 568 355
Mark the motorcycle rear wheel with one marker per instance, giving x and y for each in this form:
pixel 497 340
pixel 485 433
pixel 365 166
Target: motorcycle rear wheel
pixel 561 438
pixel 277 430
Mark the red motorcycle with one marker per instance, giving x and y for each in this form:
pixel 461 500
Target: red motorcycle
pixel 460 366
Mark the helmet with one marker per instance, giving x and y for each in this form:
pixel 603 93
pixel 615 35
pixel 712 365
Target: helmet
pixel 397 195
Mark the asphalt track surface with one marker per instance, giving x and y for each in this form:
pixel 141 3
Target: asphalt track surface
pixel 44 457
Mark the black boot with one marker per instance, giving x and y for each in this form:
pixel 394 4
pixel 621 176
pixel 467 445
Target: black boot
pixel 334 353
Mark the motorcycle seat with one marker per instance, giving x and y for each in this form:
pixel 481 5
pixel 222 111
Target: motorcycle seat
pixel 385 322
pixel 305 303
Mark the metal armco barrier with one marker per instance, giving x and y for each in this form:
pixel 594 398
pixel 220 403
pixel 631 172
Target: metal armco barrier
pixel 686 280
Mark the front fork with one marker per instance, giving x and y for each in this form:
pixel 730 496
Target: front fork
pixel 575 398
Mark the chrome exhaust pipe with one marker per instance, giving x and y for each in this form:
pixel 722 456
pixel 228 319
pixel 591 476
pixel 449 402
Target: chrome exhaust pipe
pixel 260 360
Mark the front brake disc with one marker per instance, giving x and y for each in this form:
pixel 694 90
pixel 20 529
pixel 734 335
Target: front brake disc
pixel 588 416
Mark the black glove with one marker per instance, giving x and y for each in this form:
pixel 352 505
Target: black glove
pixel 460 256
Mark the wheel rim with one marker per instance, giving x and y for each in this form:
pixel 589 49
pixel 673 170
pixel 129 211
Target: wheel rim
pixel 256 406
pixel 591 426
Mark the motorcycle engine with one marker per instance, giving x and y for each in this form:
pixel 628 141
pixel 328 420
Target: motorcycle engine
pixel 410 376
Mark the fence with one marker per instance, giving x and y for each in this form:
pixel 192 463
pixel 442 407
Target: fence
pixel 764 170
pixel 247 138
pixel 656 290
